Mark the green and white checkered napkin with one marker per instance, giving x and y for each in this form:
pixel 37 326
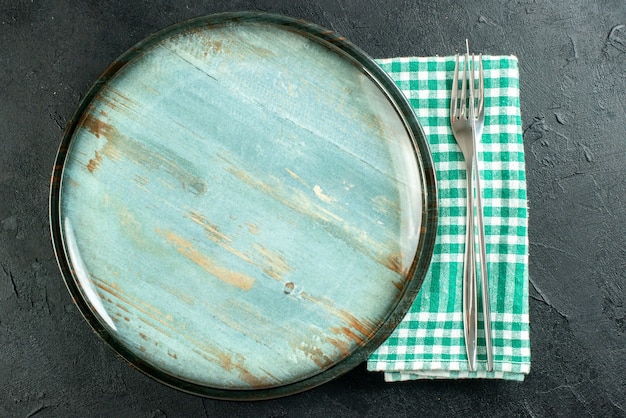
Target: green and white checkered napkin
pixel 429 342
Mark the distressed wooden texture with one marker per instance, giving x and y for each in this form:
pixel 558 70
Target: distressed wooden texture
pixel 241 206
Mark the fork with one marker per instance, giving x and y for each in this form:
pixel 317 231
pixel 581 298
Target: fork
pixel 467 120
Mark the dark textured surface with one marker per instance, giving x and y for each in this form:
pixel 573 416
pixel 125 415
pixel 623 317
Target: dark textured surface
pixel 573 85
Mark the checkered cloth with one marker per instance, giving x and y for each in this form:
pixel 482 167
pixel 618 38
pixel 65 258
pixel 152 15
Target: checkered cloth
pixel 429 342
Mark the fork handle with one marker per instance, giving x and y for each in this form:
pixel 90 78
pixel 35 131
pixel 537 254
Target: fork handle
pixel 484 277
pixel 470 309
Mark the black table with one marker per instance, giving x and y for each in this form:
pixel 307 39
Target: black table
pixel 573 93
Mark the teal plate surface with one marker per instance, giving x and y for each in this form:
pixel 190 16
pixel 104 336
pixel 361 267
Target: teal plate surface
pixel 243 206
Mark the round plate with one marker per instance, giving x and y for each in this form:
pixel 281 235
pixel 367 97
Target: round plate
pixel 243 206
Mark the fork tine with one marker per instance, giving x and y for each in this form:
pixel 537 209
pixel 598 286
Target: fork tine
pixel 454 92
pixel 481 86
pixel 462 104
pixel 472 86
pixel 470 70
